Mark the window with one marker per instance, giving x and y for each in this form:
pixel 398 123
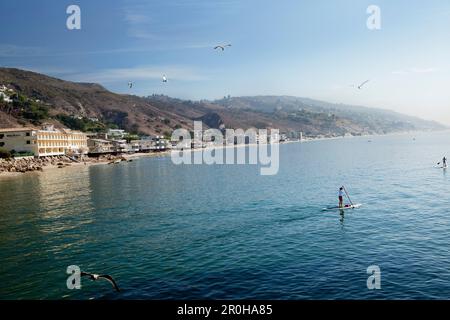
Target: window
pixel 28 142
pixel 2 144
pixel 28 134
pixel 2 136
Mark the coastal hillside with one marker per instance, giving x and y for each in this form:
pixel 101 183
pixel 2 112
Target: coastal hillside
pixel 36 99
pixel 328 116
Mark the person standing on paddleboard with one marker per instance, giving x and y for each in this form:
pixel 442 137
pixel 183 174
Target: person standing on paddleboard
pixel 444 162
pixel 341 197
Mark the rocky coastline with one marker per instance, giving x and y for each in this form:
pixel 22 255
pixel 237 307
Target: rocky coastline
pixel 31 164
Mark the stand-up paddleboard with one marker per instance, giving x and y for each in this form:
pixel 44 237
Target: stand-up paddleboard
pixel 441 167
pixel 346 207
pixel 350 206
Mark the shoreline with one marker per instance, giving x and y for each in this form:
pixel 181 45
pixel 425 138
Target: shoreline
pixel 62 163
pixel 139 155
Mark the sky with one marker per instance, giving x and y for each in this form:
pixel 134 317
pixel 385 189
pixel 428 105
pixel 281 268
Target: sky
pixel 316 49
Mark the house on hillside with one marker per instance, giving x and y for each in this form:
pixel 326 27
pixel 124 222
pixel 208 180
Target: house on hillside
pixel 5 94
pixel 116 134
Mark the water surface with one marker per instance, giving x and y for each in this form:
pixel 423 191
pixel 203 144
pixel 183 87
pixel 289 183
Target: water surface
pixel 226 232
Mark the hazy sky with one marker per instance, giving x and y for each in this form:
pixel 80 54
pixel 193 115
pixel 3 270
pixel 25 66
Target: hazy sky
pixel 307 48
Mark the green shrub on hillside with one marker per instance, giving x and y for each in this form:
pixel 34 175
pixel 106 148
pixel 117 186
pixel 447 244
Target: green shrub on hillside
pixel 30 109
pixel 130 137
pixel 83 124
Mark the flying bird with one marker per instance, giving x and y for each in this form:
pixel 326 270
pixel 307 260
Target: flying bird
pixel 362 84
pixel 164 79
pixel 130 84
pixel 359 86
pixel 95 277
pixel 222 47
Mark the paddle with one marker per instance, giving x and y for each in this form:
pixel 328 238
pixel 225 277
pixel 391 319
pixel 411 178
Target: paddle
pixel 348 196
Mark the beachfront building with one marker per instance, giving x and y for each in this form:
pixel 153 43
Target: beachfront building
pixel 144 145
pixel 150 144
pixel 99 146
pixel 120 146
pixel 161 144
pixel 133 147
pixel 44 142
pixel 76 142
pixel 57 142
pixel 19 140
pixel 197 144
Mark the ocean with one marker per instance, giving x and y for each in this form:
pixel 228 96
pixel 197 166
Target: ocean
pixel 166 231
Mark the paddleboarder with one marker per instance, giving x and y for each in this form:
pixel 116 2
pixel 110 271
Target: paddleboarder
pixel 341 193
pixel 444 162
pixel 341 197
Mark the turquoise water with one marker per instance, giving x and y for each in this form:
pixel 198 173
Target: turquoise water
pixel 226 232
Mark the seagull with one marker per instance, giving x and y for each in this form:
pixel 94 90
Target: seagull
pixel 362 84
pixel 130 84
pixel 222 47
pixel 96 277
pixel 164 78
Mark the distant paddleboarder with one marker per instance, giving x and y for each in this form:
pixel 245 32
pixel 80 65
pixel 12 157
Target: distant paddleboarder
pixel 341 197
pixel 444 162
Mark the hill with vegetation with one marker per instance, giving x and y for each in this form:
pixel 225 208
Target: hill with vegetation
pixel 327 118
pixel 38 99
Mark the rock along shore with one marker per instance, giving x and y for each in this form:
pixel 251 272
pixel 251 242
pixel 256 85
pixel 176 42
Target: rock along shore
pixel 30 164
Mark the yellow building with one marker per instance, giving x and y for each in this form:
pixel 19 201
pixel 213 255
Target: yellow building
pixel 76 142
pixel 44 143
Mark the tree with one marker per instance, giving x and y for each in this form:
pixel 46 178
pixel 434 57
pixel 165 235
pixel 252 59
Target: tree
pixel 167 135
pixel 130 137
pixel 4 154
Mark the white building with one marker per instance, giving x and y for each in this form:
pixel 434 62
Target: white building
pixel 20 140
pixel 5 93
pixel 116 134
pixel 98 146
pixel 5 97
pixel 144 145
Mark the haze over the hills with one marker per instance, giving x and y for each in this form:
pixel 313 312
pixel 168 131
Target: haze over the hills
pixel 88 106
